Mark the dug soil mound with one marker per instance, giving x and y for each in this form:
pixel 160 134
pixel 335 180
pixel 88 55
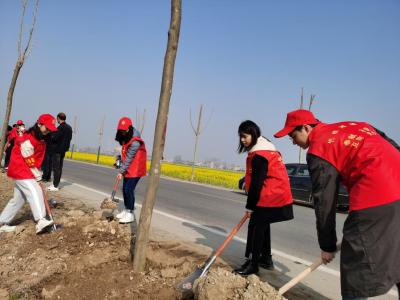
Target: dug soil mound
pixel 223 285
pixel 90 258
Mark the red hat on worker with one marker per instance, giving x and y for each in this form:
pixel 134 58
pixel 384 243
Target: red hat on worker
pixel 124 123
pixel 20 122
pixel 296 118
pixel 49 121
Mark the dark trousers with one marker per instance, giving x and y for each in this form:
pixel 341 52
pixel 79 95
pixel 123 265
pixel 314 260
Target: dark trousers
pixel 57 164
pixel 8 156
pixel 128 191
pixel 53 162
pixel 46 167
pixel 258 239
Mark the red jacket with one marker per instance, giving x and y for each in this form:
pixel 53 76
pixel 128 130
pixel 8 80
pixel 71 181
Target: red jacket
pixel 368 165
pixel 137 168
pixel 276 188
pixel 18 168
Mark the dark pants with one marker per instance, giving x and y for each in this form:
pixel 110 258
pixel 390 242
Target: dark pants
pixel 8 155
pixel 57 162
pixel 46 166
pixel 258 240
pixel 53 162
pixel 128 190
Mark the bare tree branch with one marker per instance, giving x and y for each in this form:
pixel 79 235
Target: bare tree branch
pixel 143 120
pixel 191 121
pixel 21 29
pixel 312 97
pixel 32 29
pixel 17 69
pixel 208 122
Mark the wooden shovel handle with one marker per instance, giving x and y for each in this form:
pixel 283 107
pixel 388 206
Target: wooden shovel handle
pixel 114 191
pixel 303 274
pixel 232 234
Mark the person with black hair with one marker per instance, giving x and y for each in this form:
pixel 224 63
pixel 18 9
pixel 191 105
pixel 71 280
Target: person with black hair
pixel 269 198
pixel 8 148
pixel 26 159
pixel 13 131
pixel 133 157
pixel 58 144
pixel 367 162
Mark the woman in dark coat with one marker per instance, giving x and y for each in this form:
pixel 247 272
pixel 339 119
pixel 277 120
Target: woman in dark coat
pixel 269 197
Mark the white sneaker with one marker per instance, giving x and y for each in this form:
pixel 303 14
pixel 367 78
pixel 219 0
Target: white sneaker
pixel 121 214
pixel 128 218
pixel 7 228
pixel 52 188
pixel 42 225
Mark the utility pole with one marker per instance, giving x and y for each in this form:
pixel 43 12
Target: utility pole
pixel 101 132
pixel 74 133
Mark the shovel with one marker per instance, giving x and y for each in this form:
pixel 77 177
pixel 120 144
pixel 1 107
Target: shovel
pixel 111 203
pixel 303 274
pixel 46 204
pixel 187 283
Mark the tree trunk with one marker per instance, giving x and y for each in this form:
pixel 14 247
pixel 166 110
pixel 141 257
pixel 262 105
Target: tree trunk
pixel 196 142
pixel 10 96
pixel 139 260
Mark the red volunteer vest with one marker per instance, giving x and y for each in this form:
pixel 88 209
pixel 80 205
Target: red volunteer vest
pixel 276 188
pixel 18 168
pixel 137 168
pixel 368 165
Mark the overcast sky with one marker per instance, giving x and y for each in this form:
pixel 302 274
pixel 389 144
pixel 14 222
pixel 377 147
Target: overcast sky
pixel 241 59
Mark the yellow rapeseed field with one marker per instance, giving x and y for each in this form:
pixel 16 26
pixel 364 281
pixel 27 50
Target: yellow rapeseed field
pixel 224 178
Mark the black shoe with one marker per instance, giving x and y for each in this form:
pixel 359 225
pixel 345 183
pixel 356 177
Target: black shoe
pixel 266 262
pixel 244 266
pixel 249 270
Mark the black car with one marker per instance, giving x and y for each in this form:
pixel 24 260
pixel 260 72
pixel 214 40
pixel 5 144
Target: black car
pixel 300 183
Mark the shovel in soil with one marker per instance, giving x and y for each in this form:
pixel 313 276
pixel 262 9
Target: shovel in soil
pixel 111 202
pixel 187 284
pixel 303 274
pixel 46 204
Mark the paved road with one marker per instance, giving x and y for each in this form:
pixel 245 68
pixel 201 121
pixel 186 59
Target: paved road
pixel 217 208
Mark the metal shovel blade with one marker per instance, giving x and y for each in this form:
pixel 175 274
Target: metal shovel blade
pixel 187 283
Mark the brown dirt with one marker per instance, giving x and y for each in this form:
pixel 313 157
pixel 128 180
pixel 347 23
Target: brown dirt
pixel 90 258
pixel 222 284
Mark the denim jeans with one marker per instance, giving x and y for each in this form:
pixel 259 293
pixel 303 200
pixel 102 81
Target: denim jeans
pixel 128 190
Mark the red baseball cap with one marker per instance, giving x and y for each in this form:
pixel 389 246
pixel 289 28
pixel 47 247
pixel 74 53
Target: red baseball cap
pixel 49 121
pixel 296 118
pixel 124 123
pixel 20 122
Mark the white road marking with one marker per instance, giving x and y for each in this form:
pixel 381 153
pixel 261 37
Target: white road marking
pixel 282 254
pixel 218 197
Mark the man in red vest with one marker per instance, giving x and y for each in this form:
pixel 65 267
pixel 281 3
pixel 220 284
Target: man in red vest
pixel 367 162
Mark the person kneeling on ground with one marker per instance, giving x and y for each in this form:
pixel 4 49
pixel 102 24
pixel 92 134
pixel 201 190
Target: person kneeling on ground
pixel 269 197
pixel 133 155
pixel 26 159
